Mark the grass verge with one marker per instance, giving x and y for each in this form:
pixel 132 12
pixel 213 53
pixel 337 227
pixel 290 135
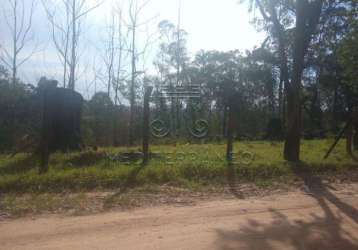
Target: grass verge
pixel 187 165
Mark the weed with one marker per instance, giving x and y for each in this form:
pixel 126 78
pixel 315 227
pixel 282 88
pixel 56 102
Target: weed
pixel 188 165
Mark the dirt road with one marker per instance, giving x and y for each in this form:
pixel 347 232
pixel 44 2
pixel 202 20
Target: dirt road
pixel 325 220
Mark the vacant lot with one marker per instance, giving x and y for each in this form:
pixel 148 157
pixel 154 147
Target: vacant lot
pixel 181 165
pixel 95 180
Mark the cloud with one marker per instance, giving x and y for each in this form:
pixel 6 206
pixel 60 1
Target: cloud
pixel 220 25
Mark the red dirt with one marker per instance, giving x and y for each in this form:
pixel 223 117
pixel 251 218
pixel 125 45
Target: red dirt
pixel 326 219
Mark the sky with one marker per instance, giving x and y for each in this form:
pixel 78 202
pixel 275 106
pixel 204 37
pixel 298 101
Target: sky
pixel 211 25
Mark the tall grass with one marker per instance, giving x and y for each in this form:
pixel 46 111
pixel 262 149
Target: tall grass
pixel 182 165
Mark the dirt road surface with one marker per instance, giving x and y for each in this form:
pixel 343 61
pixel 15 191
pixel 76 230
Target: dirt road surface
pixel 321 220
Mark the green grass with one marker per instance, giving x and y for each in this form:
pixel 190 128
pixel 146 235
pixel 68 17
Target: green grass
pixel 187 165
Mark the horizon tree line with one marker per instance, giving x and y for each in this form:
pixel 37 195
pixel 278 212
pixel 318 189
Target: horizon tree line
pixel 301 78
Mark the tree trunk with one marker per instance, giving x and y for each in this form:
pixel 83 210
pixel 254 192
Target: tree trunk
pixel 355 136
pixel 280 98
pixel 307 18
pixel 355 127
pixel 45 133
pixel 335 111
pixel 349 140
pixel 146 116
pixel 230 130
pixel 132 89
pixel 71 83
pixel 224 121
pixel 15 39
pixel 293 134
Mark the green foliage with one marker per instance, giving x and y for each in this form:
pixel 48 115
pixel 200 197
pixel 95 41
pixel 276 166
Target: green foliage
pixel 253 77
pixel 348 58
pixel 99 119
pixel 18 111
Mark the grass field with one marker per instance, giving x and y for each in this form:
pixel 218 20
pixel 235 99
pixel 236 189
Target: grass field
pixel 185 165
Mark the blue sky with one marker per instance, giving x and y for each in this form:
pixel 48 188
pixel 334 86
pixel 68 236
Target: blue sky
pixel 210 24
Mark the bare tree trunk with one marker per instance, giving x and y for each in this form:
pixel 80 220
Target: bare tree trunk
pixel 111 58
pixel 19 25
pixel 118 80
pixel 230 130
pixel 14 71
pixel 71 83
pixel 135 10
pixel 178 71
pixel 60 34
pixel 65 52
pixel 146 116
pixel 132 89
pixel 14 58
pixel 66 33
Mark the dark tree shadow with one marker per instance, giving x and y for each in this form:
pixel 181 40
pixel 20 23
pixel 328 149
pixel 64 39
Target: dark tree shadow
pixel 320 191
pixel 320 232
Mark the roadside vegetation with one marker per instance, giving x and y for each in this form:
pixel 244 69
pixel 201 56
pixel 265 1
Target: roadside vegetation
pixel 111 178
pixel 186 165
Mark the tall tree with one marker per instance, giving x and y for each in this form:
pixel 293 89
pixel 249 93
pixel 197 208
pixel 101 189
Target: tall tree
pixel 113 52
pixel 66 22
pixel 299 20
pixel 171 63
pixel 18 15
pixel 324 88
pixel 136 8
pixel 348 58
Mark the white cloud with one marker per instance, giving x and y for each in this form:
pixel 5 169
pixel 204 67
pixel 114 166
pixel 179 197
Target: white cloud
pixel 211 24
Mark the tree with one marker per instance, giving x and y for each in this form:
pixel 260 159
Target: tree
pixel 121 40
pixel 18 20
pixel 348 58
pixel 171 63
pixel 300 19
pixel 100 107
pixel 136 8
pixel 324 94
pixel 19 114
pixel 113 54
pixel 66 33
pixel 250 80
